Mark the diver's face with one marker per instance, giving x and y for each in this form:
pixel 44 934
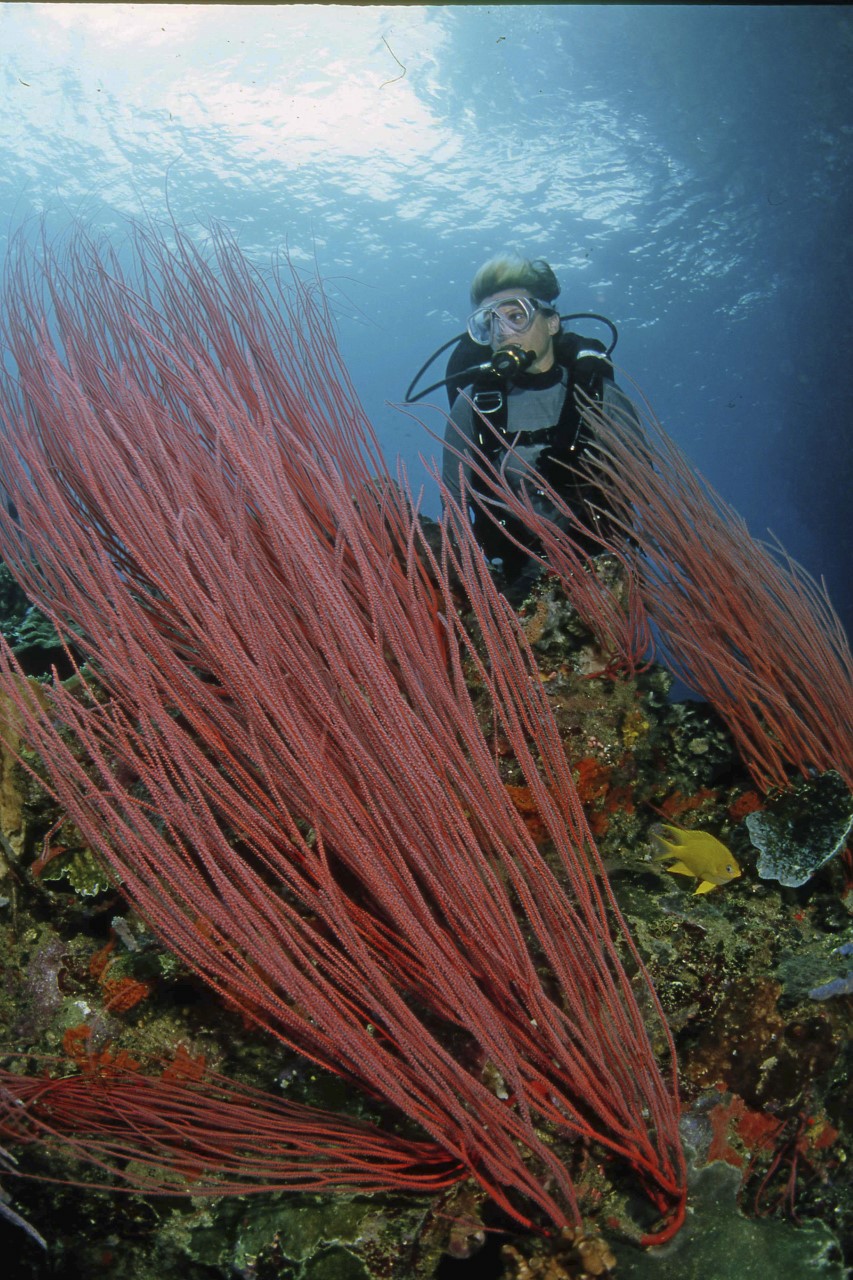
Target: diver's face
pixel 538 336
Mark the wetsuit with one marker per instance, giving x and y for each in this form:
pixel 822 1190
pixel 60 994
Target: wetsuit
pixel 534 403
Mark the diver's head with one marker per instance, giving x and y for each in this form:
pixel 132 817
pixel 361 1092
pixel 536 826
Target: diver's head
pixel 532 276
pixel 512 297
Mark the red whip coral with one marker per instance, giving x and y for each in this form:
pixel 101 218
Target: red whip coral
pixel 740 621
pixel 278 757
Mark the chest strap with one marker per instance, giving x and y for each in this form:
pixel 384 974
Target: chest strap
pixel 561 439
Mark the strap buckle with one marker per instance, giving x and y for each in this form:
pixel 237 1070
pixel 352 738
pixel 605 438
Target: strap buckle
pixel 488 401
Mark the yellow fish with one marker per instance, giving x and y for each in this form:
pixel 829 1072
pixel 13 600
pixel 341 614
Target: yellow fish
pixel 698 854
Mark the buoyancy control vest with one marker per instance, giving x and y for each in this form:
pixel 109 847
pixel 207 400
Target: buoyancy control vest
pixel 561 446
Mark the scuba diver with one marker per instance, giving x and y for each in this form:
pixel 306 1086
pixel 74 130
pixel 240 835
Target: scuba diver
pixel 525 390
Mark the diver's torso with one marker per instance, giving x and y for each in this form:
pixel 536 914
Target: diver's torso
pixel 530 410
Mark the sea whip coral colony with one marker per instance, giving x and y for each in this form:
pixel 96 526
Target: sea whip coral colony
pixel 274 750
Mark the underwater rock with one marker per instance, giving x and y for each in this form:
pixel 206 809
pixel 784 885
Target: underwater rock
pixel 802 829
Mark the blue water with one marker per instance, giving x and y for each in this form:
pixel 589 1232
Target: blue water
pixel 686 169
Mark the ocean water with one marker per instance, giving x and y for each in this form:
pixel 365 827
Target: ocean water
pixel 686 170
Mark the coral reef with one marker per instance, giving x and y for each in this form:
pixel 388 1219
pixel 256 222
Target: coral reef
pixel 348 879
pixel 762 1060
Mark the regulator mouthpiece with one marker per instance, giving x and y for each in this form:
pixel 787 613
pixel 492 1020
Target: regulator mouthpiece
pixel 509 361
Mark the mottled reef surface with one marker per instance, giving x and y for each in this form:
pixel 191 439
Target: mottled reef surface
pixel 753 978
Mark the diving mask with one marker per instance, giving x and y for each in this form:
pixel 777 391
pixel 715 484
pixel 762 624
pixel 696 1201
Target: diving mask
pixel 510 315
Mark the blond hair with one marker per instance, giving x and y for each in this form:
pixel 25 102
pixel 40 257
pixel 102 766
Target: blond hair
pixel 511 271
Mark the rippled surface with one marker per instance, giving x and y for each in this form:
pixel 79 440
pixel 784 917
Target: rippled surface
pixel 685 169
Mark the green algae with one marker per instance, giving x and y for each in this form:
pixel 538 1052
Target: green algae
pixel 81 870
pixel 309 1237
pixel 718 1242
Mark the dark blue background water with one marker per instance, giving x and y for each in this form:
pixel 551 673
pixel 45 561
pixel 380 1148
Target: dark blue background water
pixel 685 169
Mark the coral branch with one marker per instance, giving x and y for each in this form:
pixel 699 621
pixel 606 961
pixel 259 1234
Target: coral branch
pixel 212 1136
